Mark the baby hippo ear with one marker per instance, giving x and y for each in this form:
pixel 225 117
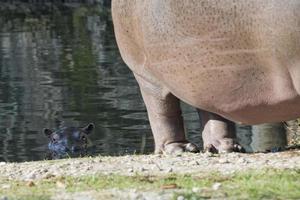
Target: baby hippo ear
pixel 47 132
pixel 88 128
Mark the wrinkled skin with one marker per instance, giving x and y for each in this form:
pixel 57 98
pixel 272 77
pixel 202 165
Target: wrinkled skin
pixel 68 141
pixel 236 61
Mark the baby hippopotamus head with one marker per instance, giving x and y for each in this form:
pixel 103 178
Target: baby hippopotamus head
pixel 68 141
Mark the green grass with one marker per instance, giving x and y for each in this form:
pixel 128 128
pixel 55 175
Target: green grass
pixel 264 184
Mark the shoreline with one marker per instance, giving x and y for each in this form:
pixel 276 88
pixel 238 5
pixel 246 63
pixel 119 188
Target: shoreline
pixel 186 163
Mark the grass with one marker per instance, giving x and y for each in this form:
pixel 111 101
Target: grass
pixel 254 184
pixel 265 184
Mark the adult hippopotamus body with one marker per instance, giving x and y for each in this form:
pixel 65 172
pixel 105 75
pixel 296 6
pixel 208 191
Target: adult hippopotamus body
pixel 235 60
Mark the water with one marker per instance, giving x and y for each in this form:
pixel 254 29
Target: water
pixel 62 63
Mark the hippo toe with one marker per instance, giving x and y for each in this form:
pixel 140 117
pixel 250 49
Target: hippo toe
pixel 178 148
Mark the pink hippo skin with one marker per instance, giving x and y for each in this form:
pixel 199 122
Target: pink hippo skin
pixel 235 60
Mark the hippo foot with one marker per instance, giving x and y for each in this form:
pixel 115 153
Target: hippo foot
pixel 179 147
pixel 225 145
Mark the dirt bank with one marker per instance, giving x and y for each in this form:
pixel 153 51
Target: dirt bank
pixel 150 165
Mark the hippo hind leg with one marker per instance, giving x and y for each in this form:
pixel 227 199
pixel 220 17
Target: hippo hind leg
pixel 165 118
pixel 218 133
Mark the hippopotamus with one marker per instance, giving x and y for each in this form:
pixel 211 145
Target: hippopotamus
pixel 235 61
pixel 68 141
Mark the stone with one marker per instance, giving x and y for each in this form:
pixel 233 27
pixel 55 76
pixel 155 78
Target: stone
pixel 180 197
pixel 216 186
pixel 223 161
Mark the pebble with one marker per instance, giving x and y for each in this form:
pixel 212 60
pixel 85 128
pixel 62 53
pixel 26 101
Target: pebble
pixel 169 186
pixel 136 196
pixel 150 162
pixel 60 184
pixel 157 155
pixel 5 186
pixel 158 167
pixel 169 170
pixel 243 160
pixel 88 168
pixel 216 186
pixel 30 176
pixel 196 189
pixel 49 175
pixel 2 163
pixel 130 170
pixel 223 161
pixel 228 172
pixel 142 169
pixel 98 160
pixel 208 154
pixel 180 198
pixel 195 162
pixel 233 155
pixel 30 184
pixel 179 154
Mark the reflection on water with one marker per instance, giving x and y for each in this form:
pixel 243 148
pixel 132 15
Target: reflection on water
pixel 263 137
pixel 62 63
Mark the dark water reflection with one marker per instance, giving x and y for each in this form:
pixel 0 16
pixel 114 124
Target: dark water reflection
pixel 62 63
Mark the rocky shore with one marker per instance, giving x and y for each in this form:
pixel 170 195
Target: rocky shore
pixel 151 164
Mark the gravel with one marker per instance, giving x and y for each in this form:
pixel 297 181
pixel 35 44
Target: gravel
pixel 150 164
pixel 145 165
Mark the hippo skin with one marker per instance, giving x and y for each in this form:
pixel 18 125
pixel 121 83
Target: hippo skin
pixel 68 141
pixel 235 61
